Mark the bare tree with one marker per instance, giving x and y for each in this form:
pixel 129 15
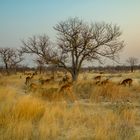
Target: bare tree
pixel 79 42
pixel 40 46
pixel 10 57
pixel 40 64
pixel 132 61
pixel 16 60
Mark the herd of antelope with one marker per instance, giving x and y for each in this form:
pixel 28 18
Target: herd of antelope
pixel 125 82
pixel 65 84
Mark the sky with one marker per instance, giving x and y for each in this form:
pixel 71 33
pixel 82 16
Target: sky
pixel 20 19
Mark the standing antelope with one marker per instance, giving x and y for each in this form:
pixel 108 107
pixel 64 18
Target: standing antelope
pixel 127 81
pixel 28 79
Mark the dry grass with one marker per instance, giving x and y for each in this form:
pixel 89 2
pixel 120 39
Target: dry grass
pixel 110 92
pixel 101 113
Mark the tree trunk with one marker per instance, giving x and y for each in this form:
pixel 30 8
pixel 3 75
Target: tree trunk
pixel 6 67
pixel 40 69
pixel 75 76
pixel 132 68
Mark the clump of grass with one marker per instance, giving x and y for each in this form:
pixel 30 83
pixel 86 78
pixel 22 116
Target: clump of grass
pixel 31 118
pixel 25 109
pixel 49 94
pixel 128 117
pixel 17 131
pixel 83 89
pixel 28 108
pixel 111 126
pixel 110 92
pixel 3 83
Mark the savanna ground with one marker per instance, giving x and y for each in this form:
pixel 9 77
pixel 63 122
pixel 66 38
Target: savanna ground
pixel 99 112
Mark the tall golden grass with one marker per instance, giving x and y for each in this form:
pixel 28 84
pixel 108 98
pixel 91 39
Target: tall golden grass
pixel 110 92
pixel 31 116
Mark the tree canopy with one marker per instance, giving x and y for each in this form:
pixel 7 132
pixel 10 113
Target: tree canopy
pixel 77 42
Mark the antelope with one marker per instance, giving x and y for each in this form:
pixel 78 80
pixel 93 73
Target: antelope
pixel 104 82
pixel 33 86
pixel 46 80
pixel 65 79
pixel 97 78
pixel 52 78
pixel 127 81
pixel 67 88
pixel 97 82
pixel 101 72
pixel 28 73
pixel 28 79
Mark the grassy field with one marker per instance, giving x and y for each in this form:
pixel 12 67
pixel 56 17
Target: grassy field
pixel 89 112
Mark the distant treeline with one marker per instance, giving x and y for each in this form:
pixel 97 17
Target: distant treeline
pixel 101 69
pixel 113 68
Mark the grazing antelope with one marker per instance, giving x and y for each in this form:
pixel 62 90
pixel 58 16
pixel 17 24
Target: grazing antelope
pixel 104 82
pixel 65 79
pixel 68 89
pixel 97 78
pixel 46 81
pixel 28 79
pixel 127 81
pixel 101 72
pixel 28 73
pixel 97 82
pixel 52 78
pixel 33 86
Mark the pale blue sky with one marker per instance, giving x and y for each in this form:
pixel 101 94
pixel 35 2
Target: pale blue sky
pixel 21 19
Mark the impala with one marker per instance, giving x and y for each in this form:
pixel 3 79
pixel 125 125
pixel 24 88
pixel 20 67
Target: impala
pixel 127 81
pixel 97 78
pixel 33 86
pixel 68 89
pixel 28 79
pixel 104 82
pixel 46 81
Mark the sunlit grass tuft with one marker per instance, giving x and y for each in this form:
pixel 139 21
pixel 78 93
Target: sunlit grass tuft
pixel 110 92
